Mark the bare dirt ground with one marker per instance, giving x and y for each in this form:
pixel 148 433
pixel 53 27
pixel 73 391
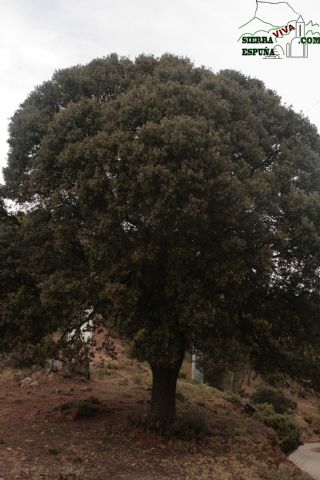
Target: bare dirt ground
pixel 41 441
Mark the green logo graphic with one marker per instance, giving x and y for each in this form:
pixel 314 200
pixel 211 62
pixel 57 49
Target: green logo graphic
pixel 277 31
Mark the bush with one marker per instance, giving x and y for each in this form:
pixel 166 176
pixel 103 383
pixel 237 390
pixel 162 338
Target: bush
pixel 113 366
pixel 180 396
pixel 235 399
pixel 123 382
pixel 287 430
pixel 188 427
pixel 26 355
pixel 82 408
pixel 215 376
pixel 274 397
pixel 137 379
pixel 274 379
pixel 264 410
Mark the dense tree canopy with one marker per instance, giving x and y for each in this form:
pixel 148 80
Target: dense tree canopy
pixel 179 204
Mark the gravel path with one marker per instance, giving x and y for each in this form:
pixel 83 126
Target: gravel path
pixel 307 457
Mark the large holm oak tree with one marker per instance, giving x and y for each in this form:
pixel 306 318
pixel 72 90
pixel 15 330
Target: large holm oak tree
pixel 181 205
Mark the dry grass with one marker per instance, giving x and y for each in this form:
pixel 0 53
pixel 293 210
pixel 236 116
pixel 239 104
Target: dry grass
pixel 40 442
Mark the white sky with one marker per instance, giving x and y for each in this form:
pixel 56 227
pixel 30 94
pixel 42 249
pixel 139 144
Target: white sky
pixel 39 36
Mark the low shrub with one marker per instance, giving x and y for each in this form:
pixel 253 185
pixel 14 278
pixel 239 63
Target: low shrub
pixel 215 376
pixel 188 426
pixel 113 366
pixel 274 380
pixel 264 410
pixel 123 382
pixel 287 430
pixel 180 396
pixel 82 408
pixel 137 378
pixel 274 397
pixel 235 399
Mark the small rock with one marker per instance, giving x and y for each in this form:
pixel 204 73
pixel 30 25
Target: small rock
pixel 26 382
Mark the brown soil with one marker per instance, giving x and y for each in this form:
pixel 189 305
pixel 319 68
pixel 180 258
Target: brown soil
pixel 40 440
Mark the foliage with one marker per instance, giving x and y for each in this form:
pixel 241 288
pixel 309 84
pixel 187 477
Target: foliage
pixel 280 402
pixel 28 354
pixel 113 366
pixel 264 410
pixel 181 205
pixel 226 368
pixel 123 382
pixel 288 431
pixel 274 379
pixel 22 327
pixel 137 378
pixel 215 376
pixel 180 396
pixel 82 408
pixel 235 399
pixel 187 426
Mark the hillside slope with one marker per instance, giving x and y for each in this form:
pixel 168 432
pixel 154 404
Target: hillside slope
pixel 47 433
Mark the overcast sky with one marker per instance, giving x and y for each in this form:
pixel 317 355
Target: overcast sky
pixel 39 36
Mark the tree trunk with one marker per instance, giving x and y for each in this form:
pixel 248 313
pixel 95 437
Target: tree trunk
pixel 163 397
